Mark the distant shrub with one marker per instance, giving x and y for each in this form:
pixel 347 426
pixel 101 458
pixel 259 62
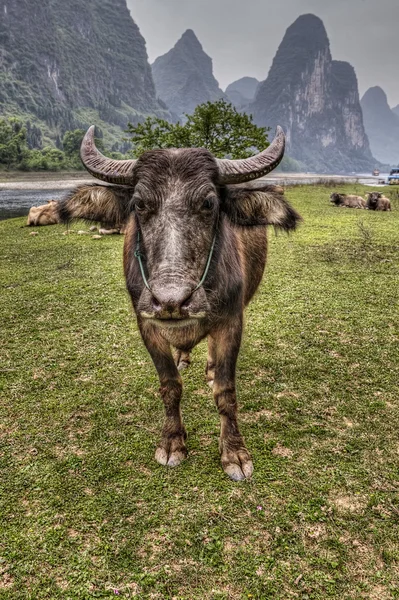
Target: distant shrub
pixel 15 152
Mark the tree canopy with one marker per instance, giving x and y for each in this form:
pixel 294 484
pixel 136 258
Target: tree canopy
pixel 217 126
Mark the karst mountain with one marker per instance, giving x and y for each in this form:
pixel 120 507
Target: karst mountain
pixel 382 126
pixel 242 92
pixel 67 65
pixel 184 76
pixel 70 64
pixel 316 100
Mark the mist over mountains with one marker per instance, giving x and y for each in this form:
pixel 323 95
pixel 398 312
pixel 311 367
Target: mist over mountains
pixel 69 65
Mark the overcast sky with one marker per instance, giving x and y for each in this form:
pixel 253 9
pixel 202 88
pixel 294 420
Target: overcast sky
pixel 242 36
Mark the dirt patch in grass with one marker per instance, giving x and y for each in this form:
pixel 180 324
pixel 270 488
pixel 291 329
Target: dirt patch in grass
pixel 349 503
pixel 282 451
pixel 6 580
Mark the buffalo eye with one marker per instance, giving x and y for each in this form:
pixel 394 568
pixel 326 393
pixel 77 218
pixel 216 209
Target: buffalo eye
pixel 139 205
pixel 208 204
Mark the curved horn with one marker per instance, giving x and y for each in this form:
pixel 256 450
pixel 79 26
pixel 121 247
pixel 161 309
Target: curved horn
pixel 98 165
pixel 240 171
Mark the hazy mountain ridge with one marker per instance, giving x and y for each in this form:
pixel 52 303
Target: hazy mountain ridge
pixel 184 76
pixel 382 125
pixel 315 100
pixel 242 92
pixel 62 67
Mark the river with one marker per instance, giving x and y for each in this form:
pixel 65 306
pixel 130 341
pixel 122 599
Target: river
pixel 16 203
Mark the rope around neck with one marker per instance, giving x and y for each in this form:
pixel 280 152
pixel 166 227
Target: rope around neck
pixel 139 256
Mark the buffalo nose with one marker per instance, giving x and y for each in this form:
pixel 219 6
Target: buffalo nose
pixel 171 302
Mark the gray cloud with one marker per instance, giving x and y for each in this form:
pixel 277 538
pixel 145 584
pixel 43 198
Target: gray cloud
pixel 242 36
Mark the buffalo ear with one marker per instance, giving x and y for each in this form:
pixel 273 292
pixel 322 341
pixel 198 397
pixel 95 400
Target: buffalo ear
pixel 259 204
pixel 100 203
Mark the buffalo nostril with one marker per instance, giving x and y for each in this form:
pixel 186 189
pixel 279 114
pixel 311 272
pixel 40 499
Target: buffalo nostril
pixel 186 303
pixel 171 301
pixel 156 305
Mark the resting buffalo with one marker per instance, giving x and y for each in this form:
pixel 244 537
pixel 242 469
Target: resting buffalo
pixel 346 201
pixel 46 214
pixel 376 201
pixel 194 254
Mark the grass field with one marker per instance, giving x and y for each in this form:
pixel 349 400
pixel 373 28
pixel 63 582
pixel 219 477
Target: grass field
pixel 86 512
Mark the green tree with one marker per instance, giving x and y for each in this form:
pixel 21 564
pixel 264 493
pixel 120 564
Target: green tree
pixel 13 144
pixel 217 126
pixel 71 143
pixel 156 133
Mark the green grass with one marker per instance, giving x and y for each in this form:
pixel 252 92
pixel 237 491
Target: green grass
pixel 85 509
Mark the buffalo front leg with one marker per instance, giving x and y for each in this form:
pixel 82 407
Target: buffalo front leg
pixel 171 449
pixel 236 461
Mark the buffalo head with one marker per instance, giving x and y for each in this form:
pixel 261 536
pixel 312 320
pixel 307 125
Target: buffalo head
pixel 372 200
pixel 336 198
pixel 174 202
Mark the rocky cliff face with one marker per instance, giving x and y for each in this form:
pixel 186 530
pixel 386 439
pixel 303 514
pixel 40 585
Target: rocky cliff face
pixel 68 64
pixel 382 126
pixel 184 76
pixel 242 92
pixel 315 100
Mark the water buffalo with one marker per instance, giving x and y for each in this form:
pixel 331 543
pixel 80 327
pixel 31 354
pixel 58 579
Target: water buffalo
pixel 46 214
pixel 377 201
pixel 347 201
pixel 194 254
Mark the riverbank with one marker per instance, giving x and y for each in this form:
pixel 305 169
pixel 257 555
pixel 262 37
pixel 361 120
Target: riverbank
pixel 34 181
pixel 64 180
pixel 19 191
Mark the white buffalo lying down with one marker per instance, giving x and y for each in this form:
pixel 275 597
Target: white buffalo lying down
pixel 46 214
pixel 348 201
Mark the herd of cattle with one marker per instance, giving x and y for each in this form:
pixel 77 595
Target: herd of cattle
pixel 47 214
pixel 374 201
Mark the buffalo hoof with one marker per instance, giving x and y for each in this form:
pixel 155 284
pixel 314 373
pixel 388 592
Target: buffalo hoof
pixel 237 464
pixel 171 452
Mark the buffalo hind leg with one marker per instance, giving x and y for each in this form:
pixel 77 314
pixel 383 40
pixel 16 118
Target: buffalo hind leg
pixel 171 449
pixel 210 363
pixel 182 359
pixel 236 460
